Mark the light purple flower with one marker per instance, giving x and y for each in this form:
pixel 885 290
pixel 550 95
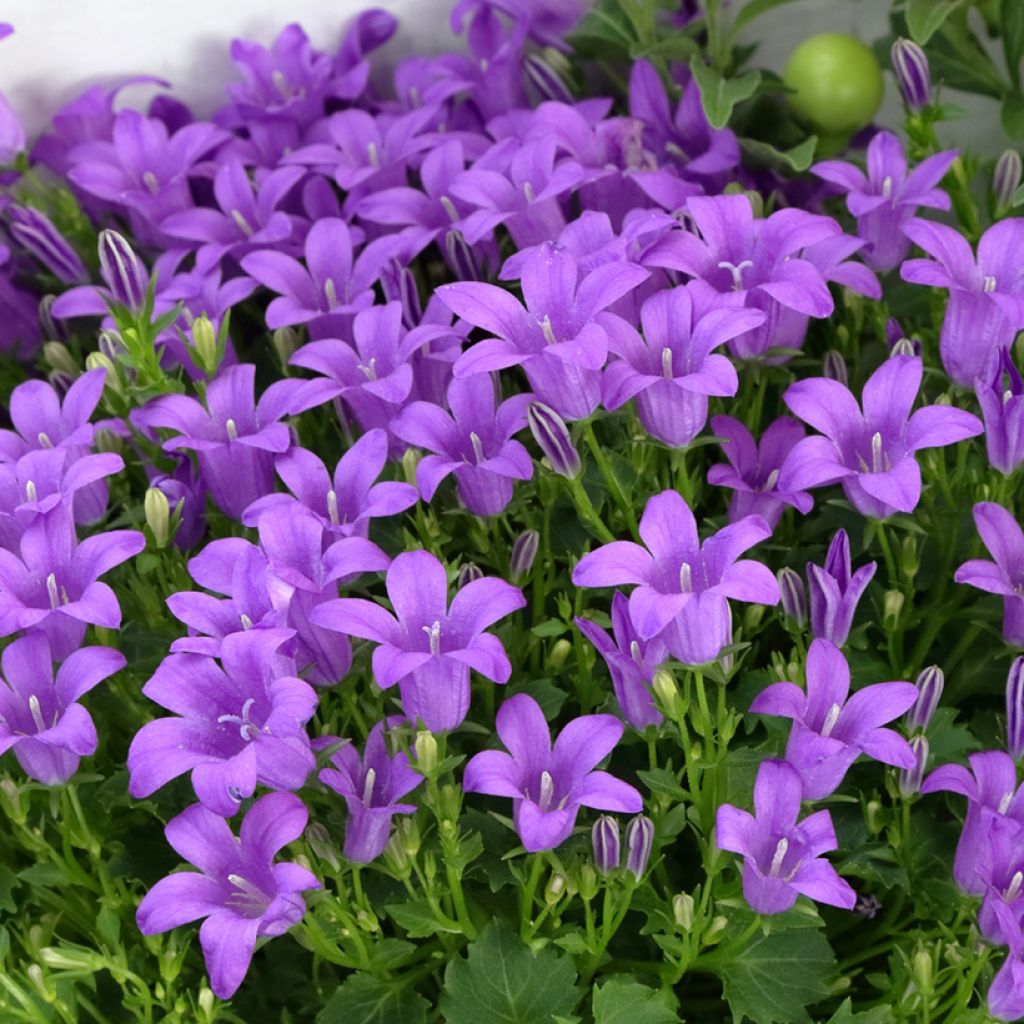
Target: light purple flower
pixel 1001 534
pixel 1006 993
pixel 238 889
pixel 831 729
pixel 474 444
pixel 40 717
pixel 1002 409
pixel 871 452
pixel 548 784
pixel 372 785
pixel 887 197
pixel 782 859
pixel 682 588
pixel 835 591
pixel 428 647
pixel 752 472
pixel 986 296
pixel 234 726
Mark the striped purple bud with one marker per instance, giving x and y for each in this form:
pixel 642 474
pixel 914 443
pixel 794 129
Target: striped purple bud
pixel 460 257
pixel 1015 709
pixel 793 595
pixel 639 843
pixel 399 285
pixel 607 846
pixel 524 551
pixel 553 439
pixel 546 80
pixel 52 328
pixel 910 778
pixel 929 691
pixel 122 270
pixel 467 573
pixel 1006 179
pixel 37 234
pixel 913 76
pixel 833 366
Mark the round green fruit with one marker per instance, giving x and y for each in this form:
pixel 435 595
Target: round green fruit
pixel 836 82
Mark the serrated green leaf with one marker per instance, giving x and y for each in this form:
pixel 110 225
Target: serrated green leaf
pixel 364 999
pixel 846 1015
pixel 662 782
pixel 797 158
pixel 925 17
pixel 778 975
pixel 628 1002
pixel 501 982
pixel 719 95
pixel 416 918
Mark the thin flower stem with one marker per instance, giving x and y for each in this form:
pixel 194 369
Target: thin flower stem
pixel 610 479
pixel 586 509
pixel 526 902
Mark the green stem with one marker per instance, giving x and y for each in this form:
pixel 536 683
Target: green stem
pixel 610 479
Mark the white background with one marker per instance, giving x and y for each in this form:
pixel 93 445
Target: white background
pixel 61 46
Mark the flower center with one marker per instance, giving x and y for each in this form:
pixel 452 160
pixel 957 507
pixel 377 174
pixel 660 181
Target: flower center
pixel 247 729
pixel 373 154
pixel 245 620
pixel 248 897
pixel 30 491
pixel 1013 889
pixel 736 269
pixel 331 293
pixel 1004 803
pixel 887 187
pixel 37 713
pixel 149 179
pixel 548 330
pixel 368 783
pixel 781 849
pixel 332 506
pixel 433 632
pixel 988 284
pixel 830 720
pixel 528 192
pixel 44 441
pixel 243 225
pixel 232 430
pixel 666 363
pixel 478 448
pixel 369 368
pixel 770 480
pixel 449 207
pixel 57 595
pixel 686 578
pixel 547 791
pixel 281 84
pixel 635 653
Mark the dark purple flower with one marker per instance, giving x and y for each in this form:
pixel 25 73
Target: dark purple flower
pixel 606 841
pixel 682 587
pixel 831 729
pixel 548 784
pixel 428 647
pixel 753 469
pixel 835 590
pixel 474 443
pixel 792 596
pixel 1002 408
pixel 782 859
pixel 1015 709
pixel 930 683
pixel 639 844
pixel 523 554
pixel 234 726
pixel 1001 534
pixel 871 452
pixel 238 889
pixel 372 785
pixel 40 717
pixel 913 76
pixel 37 234
pixel 1006 993
pixel 554 439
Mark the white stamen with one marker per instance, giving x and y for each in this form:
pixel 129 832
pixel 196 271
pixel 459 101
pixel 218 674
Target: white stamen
pixel 484 64
pixel 433 632
pixel 44 441
pixel 248 730
pixel 887 187
pixel 548 330
pixel 736 269
pixel 547 790
pixel 281 84
pixel 37 712
pixel 988 284
pixel 478 448
pixel 666 363
pixel 149 179
pixel 449 207
pixel 686 578
pixel 1007 395
pixel 780 855
pixel 51 590
pixel 830 720
pixel 878 459
pixel 369 369
pixel 373 154
pixel 676 150
pixel 371 778
pixel 331 292
pixel 1013 889
pixel 30 491
pixel 232 430
pixel 1004 804
pixel 634 652
pixel 332 506
pixel 245 620
pixel 528 192
pixel 243 225
pixel 770 480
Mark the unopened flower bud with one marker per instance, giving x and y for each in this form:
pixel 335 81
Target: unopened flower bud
pixel 545 79
pixel 892 609
pixel 98 361
pixel 874 817
pixel 716 930
pixel 586 883
pixel 929 691
pixel 52 328
pixel 1006 179
pixel 468 573
pixel 606 842
pixel 57 357
pixel 682 910
pixel 460 256
pixel 665 689
pixel 426 751
pixel 833 366
pixel 285 341
pixel 639 843
pixel 1015 709
pixel 399 285
pixel 905 347
pixel 923 969
pixel 34 973
pixel 410 460
pixel 793 595
pixel 913 76
pixel 207 1002
pixel 910 778
pixel 910 557
pixel 122 270
pixel 409 832
pixel 106 440
pixel 560 652
pixel 552 436
pixel 524 551
pixel 321 843
pixel 555 889
pixel 158 516
pixel 204 344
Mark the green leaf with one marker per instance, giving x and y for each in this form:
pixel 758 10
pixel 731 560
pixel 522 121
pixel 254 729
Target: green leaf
pixel 753 10
pixel 8 883
pixel 798 158
pixel 662 782
pixel 417 919
pixel 778 975
pixel 628 1002
pixel 364 999
pixel 846 1015
pixel 501 982
pixel 719 95
pixel 1012 14
pixel 44 874
pixel 925 17
pixel 549 628
pixel 1012 115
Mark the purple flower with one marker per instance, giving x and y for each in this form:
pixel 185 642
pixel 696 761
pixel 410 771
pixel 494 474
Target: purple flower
pixel 682 587
pixel 887 197
pixel 1002 409
pixel 632 662
pixel 990 786
pixel 186 496
pixel 238 889
pixel 37 234
pixel 672 370
pixel 549 784
pixel 607 844
pixel 835 591
pixel 372 785
pixel 40 717
pixel 831 729
pixel 559 338
pixel 782 859
pixel 753 469
pixel 474 444
pixel 235 438
pixel 1001 534
pixel 1015 709
pixel 871 452
pixel 234 726
pixel 986 296
pixel 1003 880
pixel 428 647
pixel 1006 993
pixel 757 259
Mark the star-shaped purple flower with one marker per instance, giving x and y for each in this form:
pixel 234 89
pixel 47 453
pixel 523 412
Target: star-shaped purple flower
pixel 835 590
pixel 1002 408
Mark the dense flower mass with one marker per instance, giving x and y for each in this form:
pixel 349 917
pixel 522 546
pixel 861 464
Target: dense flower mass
pixel 535 363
